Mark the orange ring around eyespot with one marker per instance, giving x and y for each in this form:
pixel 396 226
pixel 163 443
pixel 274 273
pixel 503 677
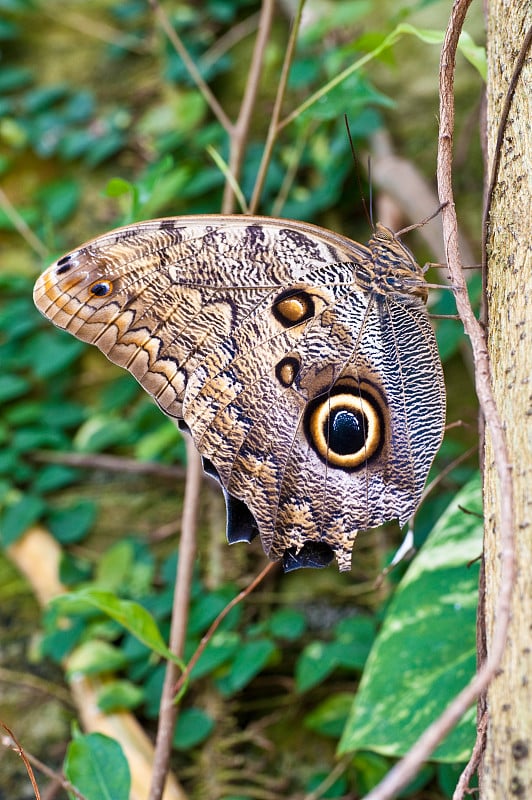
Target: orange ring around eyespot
pixel 354 404
pixel 103 282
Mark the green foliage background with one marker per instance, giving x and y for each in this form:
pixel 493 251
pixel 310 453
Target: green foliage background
pixel 101 125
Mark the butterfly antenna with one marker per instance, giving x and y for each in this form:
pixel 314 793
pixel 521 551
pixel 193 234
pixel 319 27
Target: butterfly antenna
pixel 423 221
pixel 370 182
pixel 369 214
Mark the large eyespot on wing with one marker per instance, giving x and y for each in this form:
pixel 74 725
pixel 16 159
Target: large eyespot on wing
pixel 345 428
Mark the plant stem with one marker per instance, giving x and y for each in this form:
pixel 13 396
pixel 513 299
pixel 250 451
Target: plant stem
pixel 274 127
pixel 194 72
pixel 187 551
pixel 240 130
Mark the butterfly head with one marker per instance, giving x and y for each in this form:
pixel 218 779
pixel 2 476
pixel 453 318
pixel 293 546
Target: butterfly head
pixel 395 268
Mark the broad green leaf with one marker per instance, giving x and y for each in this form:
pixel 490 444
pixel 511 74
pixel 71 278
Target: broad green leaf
pixel 54 476
pixel 114 566
pixel 94 657
pixel 287 624
pixel 475 55
pixel 315 663
pixel 221 648
pixel 193 726
pixel 52 352
pixel 12 386
pixel 100 432
pixel 207 606
pixel 130 615
pixel 60 199
pixel 426 651
pixel 17 518
pixel 250 658
pixel 329 717
pixel 338 789
pixel 119 695
pixel 69 525
pixel 95 764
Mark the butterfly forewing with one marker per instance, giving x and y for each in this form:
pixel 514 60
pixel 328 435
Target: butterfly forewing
pixel 303 364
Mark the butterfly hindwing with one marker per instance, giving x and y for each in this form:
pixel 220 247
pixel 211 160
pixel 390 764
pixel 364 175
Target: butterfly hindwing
pixel 303 364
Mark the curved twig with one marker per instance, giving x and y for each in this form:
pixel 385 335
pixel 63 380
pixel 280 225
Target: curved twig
pixel 194 72
pixel 183 678
pixel 240 130
pixel 187 553
pixel 274 126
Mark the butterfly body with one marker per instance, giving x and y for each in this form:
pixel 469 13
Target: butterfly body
pixel 302 363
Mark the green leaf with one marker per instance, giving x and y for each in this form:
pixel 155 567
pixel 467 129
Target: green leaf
pixel 221 648
pixel 426 651
pixel 208 606
pixel 62 637
pixel 329 717
pixel 117 187
pixel 54 476
pixel 475 55
pixel 18 517
pixel 370 770
pixel 287 624
pixel 355 636
pixel 12 78
pixel 315 663
pixel 130 615
pixel 94 657
pixel 51 352
pixel 12 386
pixel 100 432
pixel 73 570
pixel 193 726
pixel 60 199
pixel 338 789
pixel 119 695
pixel 95 764
pixel 154 444
pixel 250 658
pixel 72 524
pixel 448 775
pixel 114 566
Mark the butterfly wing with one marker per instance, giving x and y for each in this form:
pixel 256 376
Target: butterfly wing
pixel 256 333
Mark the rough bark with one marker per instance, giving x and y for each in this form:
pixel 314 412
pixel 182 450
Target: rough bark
pixel 506 769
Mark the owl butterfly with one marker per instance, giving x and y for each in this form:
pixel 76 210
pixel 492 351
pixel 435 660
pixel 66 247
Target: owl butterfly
pixel 302 363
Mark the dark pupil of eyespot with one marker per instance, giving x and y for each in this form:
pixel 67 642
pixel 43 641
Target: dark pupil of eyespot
pixel 100 289
pixel 345 431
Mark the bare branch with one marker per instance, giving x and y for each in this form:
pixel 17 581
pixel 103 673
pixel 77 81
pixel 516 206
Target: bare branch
pixel 21 225
pixel 187 553
pixel 193 71
pixel 274 127
pixel 241 128
pixel 109 463
pixel 215 625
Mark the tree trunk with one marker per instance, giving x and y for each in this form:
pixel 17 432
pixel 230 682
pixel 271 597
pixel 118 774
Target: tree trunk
pixel 506 770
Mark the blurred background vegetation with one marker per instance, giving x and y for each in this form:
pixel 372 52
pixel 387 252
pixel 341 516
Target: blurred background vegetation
pixel 101 125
